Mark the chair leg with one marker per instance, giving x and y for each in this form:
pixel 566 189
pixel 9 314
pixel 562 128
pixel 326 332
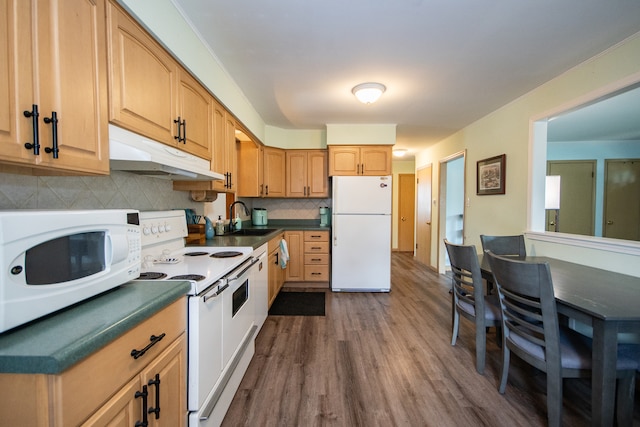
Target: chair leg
pixel 506 355
pixel 625 395
pixel 454 332
pixel 481 348
pixel 554 400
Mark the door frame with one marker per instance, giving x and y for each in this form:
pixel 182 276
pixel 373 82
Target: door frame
pixel 442 201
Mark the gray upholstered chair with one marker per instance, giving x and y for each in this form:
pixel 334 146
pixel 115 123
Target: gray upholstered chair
pixel 532 331
pixel 469 299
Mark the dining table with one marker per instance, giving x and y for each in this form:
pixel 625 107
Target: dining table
pixel 607 301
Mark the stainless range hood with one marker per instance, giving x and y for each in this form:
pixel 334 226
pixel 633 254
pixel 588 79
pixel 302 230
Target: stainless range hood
pixel 134 153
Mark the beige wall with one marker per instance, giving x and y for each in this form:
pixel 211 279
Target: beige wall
pixel 508 130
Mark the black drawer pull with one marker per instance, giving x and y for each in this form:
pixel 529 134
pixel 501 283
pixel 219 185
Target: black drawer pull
pixel 154 339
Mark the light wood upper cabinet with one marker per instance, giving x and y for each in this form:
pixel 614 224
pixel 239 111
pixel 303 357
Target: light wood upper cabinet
pixel 307 173
pixel 150 93
pixel 224 153
pixel 55 61
pixel 274 172
pixel 250 169
pixel 359 160
pixel 196 113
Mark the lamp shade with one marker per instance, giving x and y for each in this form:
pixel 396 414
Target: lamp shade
pixel 368 93
pixel 552 192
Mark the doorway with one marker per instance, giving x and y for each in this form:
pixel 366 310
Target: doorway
pixel 451 213
pixel 423 216
pixel 406 211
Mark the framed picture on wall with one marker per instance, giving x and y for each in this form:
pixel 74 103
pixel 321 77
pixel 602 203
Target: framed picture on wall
pixel 491 175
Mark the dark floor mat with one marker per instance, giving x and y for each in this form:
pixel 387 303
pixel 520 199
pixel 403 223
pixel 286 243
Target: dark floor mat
pixel 298 304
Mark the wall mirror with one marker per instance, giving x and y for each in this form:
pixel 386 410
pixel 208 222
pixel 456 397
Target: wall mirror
pixel 595 149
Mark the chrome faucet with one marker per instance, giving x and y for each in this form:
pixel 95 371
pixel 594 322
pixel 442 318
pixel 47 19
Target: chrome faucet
pixel 246 212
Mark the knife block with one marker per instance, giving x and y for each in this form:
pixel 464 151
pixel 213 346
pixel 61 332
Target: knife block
pixel 196 234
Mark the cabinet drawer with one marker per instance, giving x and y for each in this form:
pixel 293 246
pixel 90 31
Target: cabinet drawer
pixel 316 259
pixel 316 273
pixel 316 236
pixel 316 247
pixel 87 385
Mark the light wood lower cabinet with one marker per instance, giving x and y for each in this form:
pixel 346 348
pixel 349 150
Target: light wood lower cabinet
pixel 309 256
pixel 276 273
pixel 163 381
pixel 107 387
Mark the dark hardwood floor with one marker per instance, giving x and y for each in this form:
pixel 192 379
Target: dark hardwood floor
pixel 386 360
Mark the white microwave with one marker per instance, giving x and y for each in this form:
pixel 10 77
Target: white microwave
pixel 51 259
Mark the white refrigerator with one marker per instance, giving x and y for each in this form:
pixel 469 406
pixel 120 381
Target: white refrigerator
pixel 361 234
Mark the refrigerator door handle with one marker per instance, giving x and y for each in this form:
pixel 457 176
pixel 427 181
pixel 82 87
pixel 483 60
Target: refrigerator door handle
pixel 334 232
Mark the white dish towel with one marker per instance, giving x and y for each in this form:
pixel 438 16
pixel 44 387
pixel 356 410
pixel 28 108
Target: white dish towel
pixel 284 254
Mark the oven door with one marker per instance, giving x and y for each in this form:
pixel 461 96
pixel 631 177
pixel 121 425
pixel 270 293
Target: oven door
pixel 239 312
pixel 205 343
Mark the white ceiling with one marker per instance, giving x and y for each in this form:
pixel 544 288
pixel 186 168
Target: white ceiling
pixel 445 63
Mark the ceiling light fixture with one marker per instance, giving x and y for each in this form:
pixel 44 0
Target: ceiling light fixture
pixel 400 152
pixel 368 93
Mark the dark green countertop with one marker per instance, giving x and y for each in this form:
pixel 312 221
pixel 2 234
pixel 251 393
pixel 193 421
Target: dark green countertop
pixel 54 343
pixel 277 225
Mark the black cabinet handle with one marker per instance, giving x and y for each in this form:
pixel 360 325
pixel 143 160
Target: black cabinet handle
pixel 154 340
pixel 143 394
pixel 53 120
pixel 277 261
pixel 155 410
pixel 35 146
pixel 184 131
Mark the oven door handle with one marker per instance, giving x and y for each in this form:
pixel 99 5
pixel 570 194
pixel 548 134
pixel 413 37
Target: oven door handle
pixel 214 294
pixel 254 261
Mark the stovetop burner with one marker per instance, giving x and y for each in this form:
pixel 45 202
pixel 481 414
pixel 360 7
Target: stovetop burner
pixel 226 254
pixel 196 277
pixel 152 275
pixel 198 253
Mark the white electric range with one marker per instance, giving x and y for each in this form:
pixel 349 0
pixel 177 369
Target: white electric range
pixel 222 317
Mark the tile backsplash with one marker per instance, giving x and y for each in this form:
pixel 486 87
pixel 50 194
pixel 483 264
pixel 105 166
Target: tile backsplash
pixel 127 190
pixel 116 191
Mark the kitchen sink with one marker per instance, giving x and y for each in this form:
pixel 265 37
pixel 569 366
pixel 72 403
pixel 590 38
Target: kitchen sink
pixel 253 231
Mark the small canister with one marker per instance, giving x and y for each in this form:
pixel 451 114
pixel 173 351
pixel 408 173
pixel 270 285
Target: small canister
pixel 325 216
